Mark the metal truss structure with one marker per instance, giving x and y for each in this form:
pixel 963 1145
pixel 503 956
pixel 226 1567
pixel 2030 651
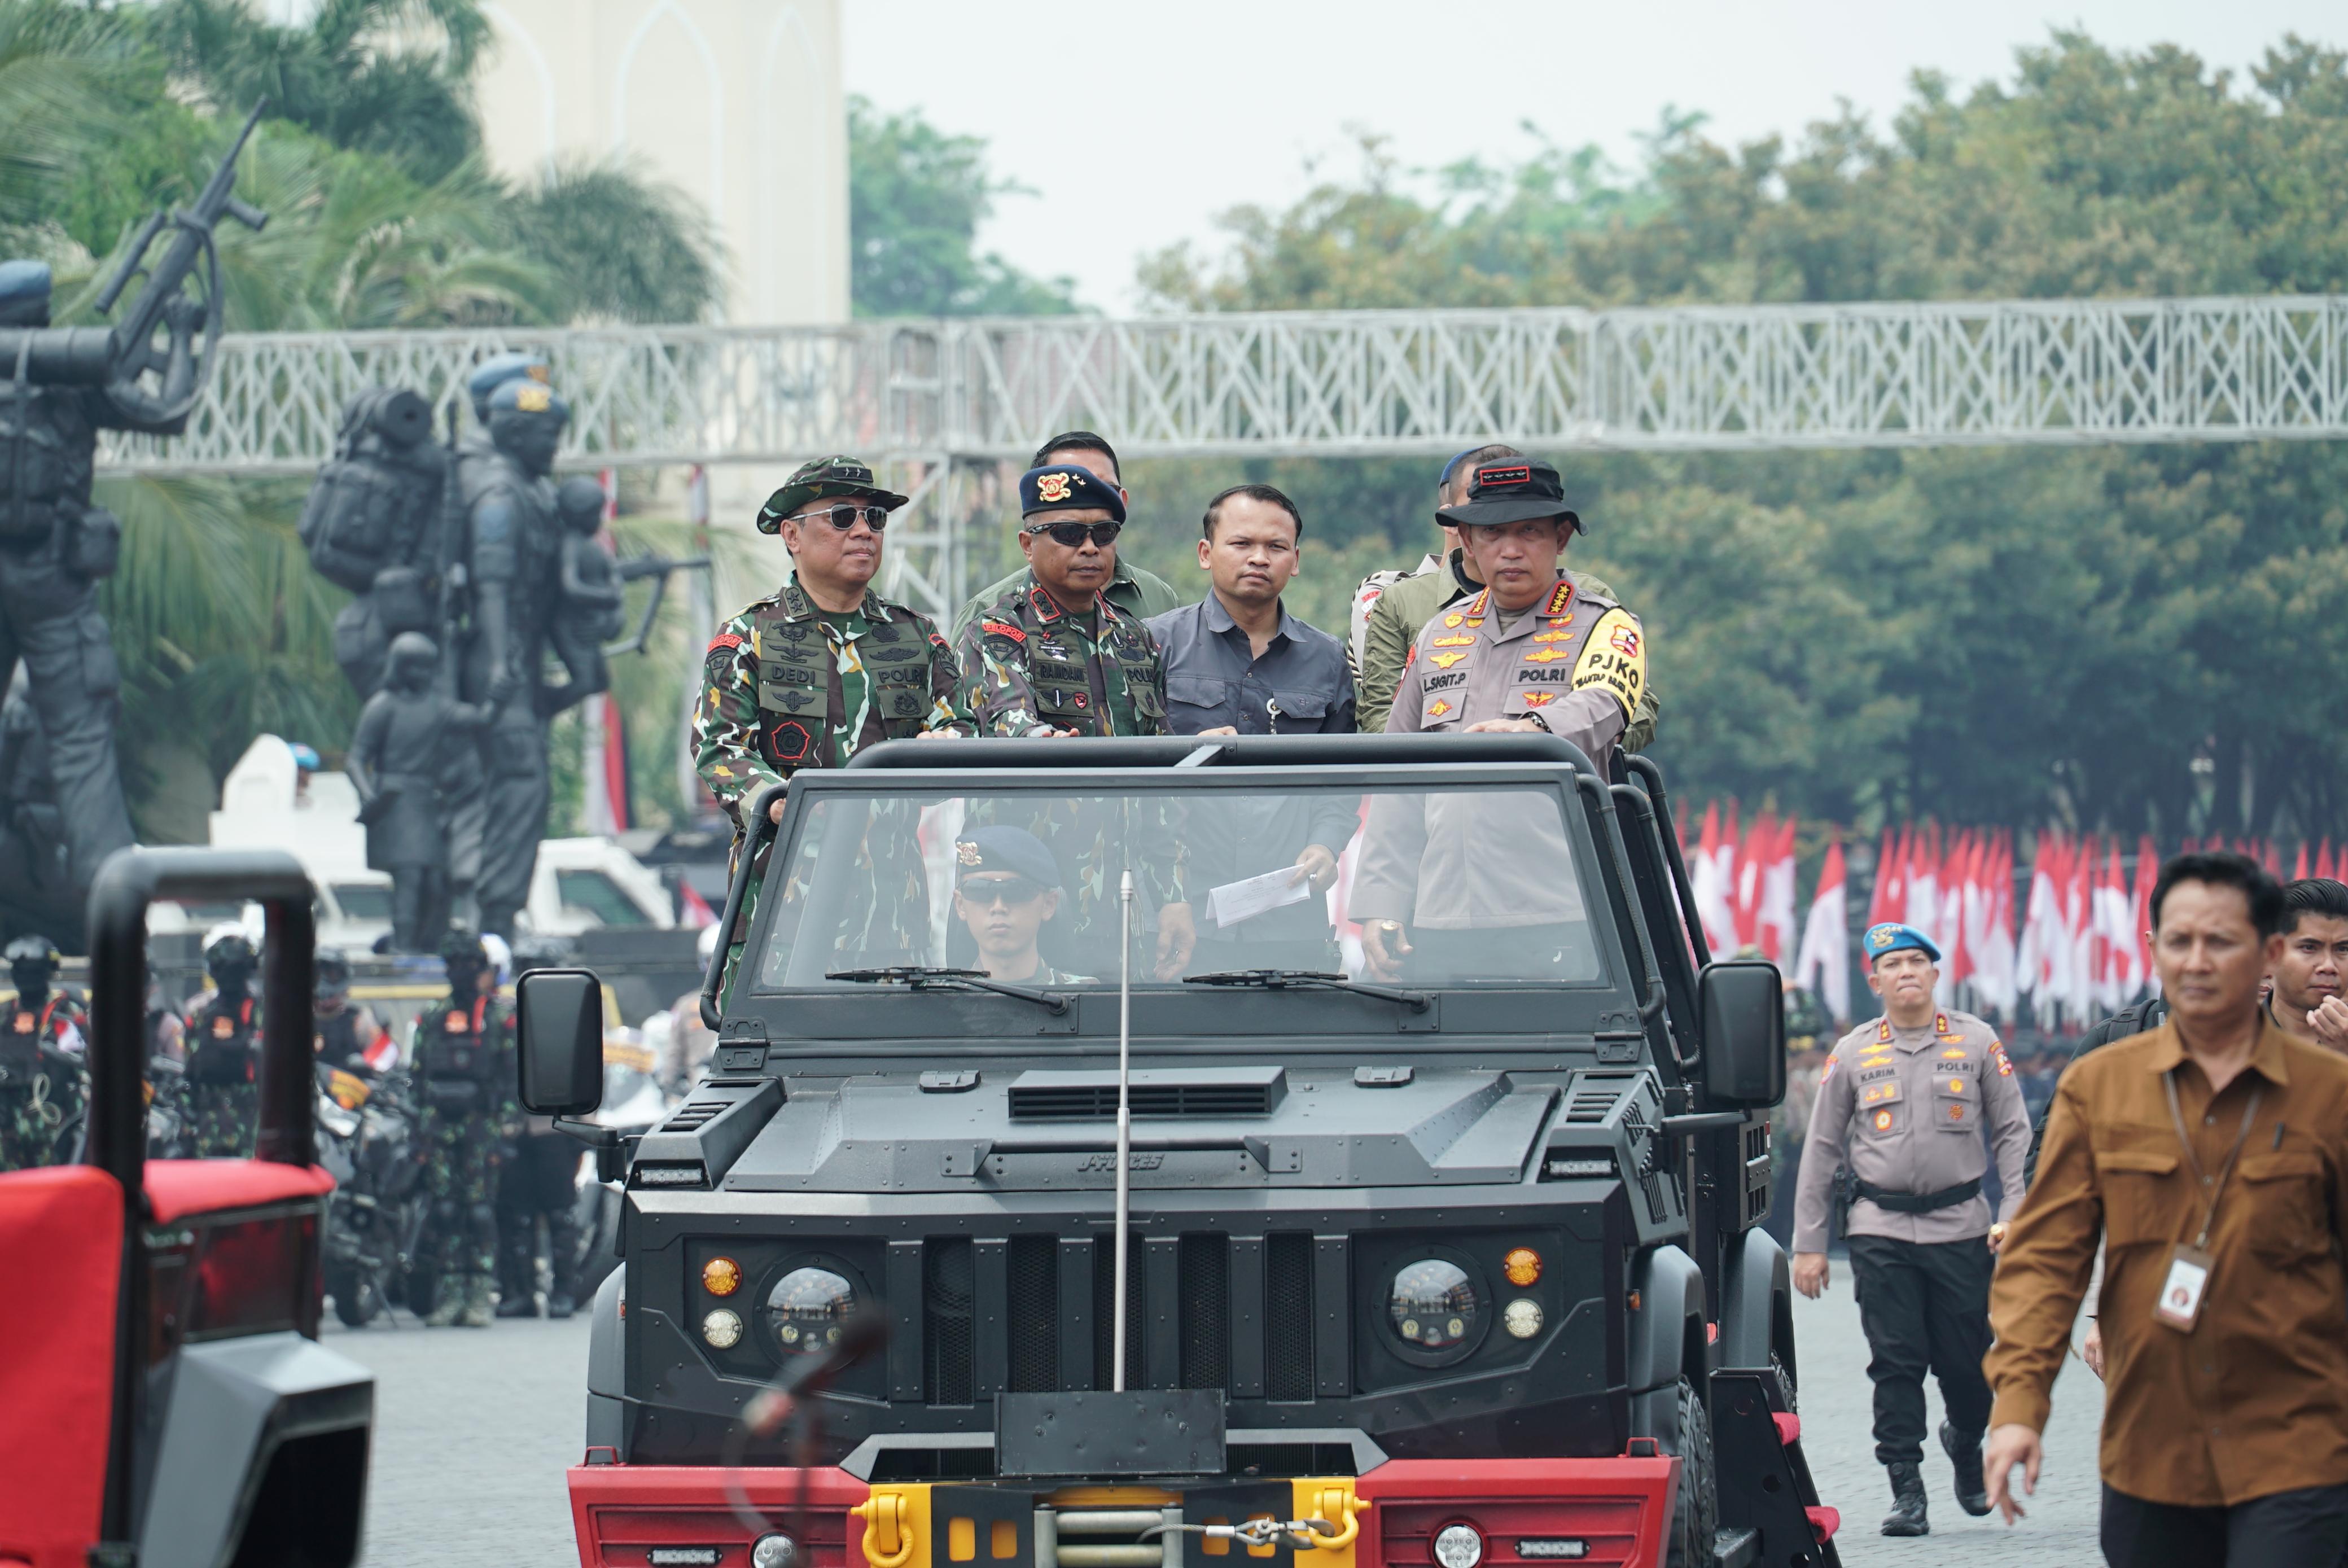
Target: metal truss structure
pixel 939 401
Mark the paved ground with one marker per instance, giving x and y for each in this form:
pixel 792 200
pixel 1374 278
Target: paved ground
pixel 474 1429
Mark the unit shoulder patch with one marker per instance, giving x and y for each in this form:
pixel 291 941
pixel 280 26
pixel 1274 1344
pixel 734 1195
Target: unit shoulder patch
pixel 1615 659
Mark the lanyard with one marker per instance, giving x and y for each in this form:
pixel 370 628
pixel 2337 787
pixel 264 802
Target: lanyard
pixel 2176 1116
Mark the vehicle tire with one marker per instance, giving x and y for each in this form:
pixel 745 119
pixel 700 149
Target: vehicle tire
pixel 1696 1516
pixel 357 1297
pixel 598 1214
pixel 1786 1377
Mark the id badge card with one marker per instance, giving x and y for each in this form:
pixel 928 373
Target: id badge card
pixel 2181 1291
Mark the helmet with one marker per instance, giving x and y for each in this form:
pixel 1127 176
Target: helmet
pixel 462 948
pixel 304 757
pixel 331 970
pixel 227 946
pixel 32 949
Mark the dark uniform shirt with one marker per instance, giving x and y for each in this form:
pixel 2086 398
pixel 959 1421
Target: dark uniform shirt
pixel 1029 662
pixel 1298 685
pixel 1139 594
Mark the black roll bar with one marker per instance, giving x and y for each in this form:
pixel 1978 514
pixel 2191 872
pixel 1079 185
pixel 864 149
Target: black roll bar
pixel 1227 752
pixel 757 828
pixel 126 885
pixel 1652 778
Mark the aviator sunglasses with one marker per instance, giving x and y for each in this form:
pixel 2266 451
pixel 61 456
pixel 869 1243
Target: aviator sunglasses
pixel 1073 534
pixel 843 517
pixel 1012 890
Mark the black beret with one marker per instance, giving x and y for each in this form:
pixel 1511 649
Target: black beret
pixel 1012 849
pixel 1063 487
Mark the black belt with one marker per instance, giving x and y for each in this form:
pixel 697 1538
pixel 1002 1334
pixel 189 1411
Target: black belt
pixel 1917 1202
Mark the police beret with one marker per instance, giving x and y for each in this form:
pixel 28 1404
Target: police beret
pixel 1890 937
pixel 847 478
pixel 1511 489
pixel 1063 487
pixel 496 370
pixel 1012 849
pixel 527 396
pixel 23 282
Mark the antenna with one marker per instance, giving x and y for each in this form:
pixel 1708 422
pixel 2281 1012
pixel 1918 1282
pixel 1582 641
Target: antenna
pixel 1124 1124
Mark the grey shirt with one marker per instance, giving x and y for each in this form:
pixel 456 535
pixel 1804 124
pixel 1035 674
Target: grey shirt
pixel 1904 1110
pixel 1300 685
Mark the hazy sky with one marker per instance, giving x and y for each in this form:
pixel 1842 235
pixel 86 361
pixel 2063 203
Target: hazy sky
pixel 1136 123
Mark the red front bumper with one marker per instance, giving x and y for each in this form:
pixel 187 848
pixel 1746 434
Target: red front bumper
pixel 1619 1509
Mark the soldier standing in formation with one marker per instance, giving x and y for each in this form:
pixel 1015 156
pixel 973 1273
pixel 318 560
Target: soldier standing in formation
pixel 42 1049
pixel 221 1086
pixel 464 1068
pixel 1903 1105
pixel 346 1034
pixel 821 669
pixel 538 1180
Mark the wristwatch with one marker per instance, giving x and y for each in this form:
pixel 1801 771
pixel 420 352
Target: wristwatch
pixel 1541 719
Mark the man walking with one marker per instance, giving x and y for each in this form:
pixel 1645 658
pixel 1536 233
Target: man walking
pixel 1903 1105
pixel 1139 594
pixel 2210 1156
pixel 1237 662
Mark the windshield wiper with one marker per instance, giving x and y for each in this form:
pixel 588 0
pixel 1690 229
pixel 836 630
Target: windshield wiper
pixel 921 978
pixel 1307 979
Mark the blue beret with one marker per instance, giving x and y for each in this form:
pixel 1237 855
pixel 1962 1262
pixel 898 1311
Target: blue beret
pixel 1890 937
pixel 527 396
pixel 24 281
pixel 1012 849
pixel 496 370
pixel 1063 487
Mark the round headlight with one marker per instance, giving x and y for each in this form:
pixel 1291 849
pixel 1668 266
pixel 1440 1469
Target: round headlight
pixel 1434 1306
pixel 1521 1317
pixel 774 1551
pixel 806 1308
pixel 722 1329
pixel 1458 1546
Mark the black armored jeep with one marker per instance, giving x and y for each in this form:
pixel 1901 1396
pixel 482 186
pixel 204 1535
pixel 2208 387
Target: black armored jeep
pixel 1439 1238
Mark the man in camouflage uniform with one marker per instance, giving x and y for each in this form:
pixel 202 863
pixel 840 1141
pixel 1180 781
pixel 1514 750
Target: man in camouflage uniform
pixel 821 669
pixel 1391 607
pixel 1139 594
pixel 42 1046
pixel 464 1070
pixel 1054 657
pixel 222 1087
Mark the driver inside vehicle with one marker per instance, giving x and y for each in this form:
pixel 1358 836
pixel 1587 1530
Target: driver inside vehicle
pixel 1006 889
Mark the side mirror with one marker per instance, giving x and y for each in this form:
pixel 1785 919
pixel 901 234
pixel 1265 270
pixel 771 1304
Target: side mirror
pixel 1744 1005
pixel 560 1019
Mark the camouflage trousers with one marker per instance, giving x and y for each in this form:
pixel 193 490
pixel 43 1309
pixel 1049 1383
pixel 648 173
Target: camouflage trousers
pixel 460 1183
pixel 220 1119
pixel 31 1121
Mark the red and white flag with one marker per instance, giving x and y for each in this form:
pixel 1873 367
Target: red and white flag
pixel 1888 899
pixel 1924 883
pixel 1823 967
pixel 2147 877
pixel 2079 927
pixel 1715 862
pixel 1776 934
pixel 1996 979
pixel 2043 961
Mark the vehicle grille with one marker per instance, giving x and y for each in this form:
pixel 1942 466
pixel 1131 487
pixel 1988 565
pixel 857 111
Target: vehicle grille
pixel 1097 1102
pixel 1187 1325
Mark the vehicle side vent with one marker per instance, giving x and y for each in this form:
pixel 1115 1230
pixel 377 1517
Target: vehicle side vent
pixel 1206 1312
pixel 1288 1316
pixel 1033 1322
pixel 1137 1363
pixel 692 1114
pixel 1594 1098
pixel 949 1289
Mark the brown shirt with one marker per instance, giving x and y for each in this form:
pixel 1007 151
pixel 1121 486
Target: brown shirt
pixel 2254 1401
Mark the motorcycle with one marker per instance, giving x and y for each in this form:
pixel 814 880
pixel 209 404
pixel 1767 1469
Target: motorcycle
pixel 367 1140
pixel 634 1102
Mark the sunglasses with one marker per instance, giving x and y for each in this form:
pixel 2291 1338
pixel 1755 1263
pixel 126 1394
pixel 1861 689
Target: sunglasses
pixel 844 516
pixel 1012 890
pixel 1074 534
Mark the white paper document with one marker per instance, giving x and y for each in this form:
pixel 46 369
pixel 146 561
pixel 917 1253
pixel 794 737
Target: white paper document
pixel 1234 901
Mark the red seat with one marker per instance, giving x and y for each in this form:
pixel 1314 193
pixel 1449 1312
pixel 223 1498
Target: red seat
pixel 61 1232
pixel 178 1188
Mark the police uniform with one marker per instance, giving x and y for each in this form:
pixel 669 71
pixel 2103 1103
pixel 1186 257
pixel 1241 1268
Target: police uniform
pixel 1904 1110
pixel 1030 663
pixel 43 1046
pixel 786 685
pixel 465 1077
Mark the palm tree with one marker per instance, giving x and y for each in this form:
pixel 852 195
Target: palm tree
pixel 60 66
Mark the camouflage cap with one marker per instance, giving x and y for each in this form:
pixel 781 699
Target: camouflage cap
pixel 834 476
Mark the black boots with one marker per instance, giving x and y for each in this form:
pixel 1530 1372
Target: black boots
pixel 524 1305
pixel 1907 1515
pixel 560 1304
pixel 1965 1454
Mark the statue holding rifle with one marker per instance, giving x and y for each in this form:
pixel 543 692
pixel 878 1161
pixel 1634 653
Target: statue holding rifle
pixel 58 388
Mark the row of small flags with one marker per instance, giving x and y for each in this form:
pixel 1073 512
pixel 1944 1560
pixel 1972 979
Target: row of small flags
pixel 2076 950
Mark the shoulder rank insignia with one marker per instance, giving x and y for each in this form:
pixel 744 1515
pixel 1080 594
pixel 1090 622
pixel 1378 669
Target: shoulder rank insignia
pixel 1476 605
pixel 1444 661
pixel 1882 1031
pixel 1539 698
pixel 1559 597
pixel 1453 620
pixel 1451 642
pixel 1544 656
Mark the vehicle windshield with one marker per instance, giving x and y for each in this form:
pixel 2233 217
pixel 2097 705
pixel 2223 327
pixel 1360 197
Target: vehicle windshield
pixel 1021 886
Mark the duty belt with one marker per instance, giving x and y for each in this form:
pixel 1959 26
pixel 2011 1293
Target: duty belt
pixel 1916 1202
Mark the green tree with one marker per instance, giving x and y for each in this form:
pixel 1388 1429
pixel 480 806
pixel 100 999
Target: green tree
pixel 916 197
